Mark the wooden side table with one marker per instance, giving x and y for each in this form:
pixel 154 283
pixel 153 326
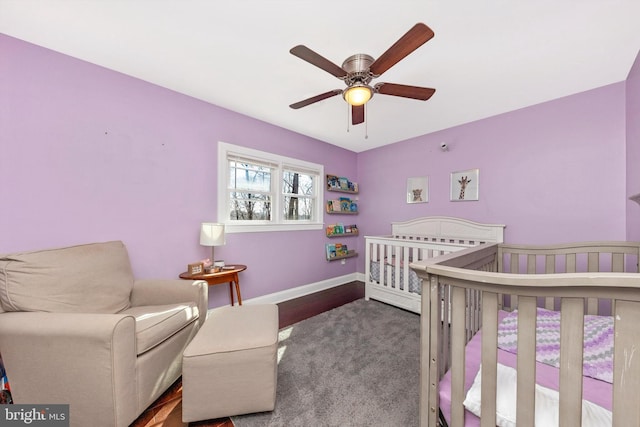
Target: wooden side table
pixel 228 274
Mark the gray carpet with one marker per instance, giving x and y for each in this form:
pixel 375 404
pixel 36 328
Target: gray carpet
pixel 356 365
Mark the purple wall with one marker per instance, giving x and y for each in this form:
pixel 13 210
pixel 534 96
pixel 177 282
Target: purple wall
pixel 88 154
pixel 553 172
pixel 633 149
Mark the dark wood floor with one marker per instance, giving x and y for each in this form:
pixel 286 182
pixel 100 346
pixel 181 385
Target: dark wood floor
pixel 167 410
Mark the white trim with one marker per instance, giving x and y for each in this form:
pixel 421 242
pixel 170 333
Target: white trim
pixel 254 228
pixel 300 291
pixel 278 223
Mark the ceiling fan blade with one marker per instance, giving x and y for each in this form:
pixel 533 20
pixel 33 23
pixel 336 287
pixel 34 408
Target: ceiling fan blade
pixel 357 114
pixel 413 39
pixel 319 61
pixel 415 92
pixel 316 98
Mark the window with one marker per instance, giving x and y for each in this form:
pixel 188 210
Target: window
pixel 260 191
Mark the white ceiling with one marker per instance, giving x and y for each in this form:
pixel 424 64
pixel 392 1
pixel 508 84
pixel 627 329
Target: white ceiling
pixel 487 57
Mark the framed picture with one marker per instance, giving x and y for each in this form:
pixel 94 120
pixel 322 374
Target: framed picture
pixel 464 185
pixel 195 268
pixel 418 189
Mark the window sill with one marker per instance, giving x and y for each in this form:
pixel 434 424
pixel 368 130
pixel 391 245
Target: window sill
pixel 261 228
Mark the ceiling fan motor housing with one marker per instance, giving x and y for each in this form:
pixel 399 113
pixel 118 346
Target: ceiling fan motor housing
pixel 357 68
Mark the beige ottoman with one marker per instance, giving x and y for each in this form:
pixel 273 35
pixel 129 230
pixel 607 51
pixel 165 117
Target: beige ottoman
pixel 230 367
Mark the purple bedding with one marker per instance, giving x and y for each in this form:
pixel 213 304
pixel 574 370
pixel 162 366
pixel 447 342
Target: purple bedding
pixel 598 341
pixel 594 390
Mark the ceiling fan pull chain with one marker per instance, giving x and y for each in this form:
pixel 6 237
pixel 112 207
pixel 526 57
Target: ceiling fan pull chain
pixel 366 123
pixel 348 116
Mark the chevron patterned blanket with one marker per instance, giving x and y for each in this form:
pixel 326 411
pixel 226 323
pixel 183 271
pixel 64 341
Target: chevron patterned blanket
pixel 598 341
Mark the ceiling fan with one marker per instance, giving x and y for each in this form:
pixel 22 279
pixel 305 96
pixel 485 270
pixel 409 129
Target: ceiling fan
pixel 358 70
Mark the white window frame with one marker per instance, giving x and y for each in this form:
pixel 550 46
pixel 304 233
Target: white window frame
pixel 277 222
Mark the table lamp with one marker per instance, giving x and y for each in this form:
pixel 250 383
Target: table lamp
pixel 212 234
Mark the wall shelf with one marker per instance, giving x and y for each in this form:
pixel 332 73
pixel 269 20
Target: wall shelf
pixel 343 205
pixel 342 235
pixel 341 185
pixel 341 191
pixel 348 255
pixel 342 212
pixel 335 251
pixel 339 230
pixel 340 205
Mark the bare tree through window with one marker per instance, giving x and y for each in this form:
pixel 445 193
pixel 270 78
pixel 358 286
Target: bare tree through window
pixel 261 191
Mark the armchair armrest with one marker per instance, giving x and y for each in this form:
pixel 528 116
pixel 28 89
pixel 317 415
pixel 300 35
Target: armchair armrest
pixel 85 360
pixel 170 291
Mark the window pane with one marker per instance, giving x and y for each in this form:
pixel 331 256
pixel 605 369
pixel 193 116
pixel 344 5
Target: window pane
pixel 297 183
pixel 298 208
pixel 261 191
pixel 250 206
pixel 246 176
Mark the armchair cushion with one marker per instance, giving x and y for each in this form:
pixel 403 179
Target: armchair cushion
pixel 92 278
pixel 156 323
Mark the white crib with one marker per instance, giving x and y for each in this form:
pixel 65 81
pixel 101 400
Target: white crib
pixel 388 277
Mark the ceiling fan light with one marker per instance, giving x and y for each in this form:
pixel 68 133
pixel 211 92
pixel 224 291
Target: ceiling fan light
pixel 357 95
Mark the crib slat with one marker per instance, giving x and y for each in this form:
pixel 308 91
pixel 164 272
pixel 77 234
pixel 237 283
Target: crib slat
pixel 429 399
pixel 531 264
pixel 525 412
pixel 458 342
pixel 405 268
pixel 570 263
pixel 395 261
pixel 445 319
pixel 626 365
pixel 550 264
pixel 514 265
pixel 489 358
pixel 571 343
pixel 617 263
pixel 593 261
pixel 476 312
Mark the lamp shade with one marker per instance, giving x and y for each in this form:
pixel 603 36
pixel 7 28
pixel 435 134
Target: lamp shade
pixel 212 234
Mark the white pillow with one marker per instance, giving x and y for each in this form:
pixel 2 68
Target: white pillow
pixel 547 403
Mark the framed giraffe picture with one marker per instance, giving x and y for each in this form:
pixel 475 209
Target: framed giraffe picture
pixel 418 190
pixel 464 185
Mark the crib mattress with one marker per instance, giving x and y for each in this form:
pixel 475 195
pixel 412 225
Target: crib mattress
pixel 596 391
pixel 415 283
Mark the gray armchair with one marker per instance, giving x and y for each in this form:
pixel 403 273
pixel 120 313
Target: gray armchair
pixel 77 328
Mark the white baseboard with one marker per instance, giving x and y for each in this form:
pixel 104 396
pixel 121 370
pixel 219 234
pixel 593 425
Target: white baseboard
pixel 301 291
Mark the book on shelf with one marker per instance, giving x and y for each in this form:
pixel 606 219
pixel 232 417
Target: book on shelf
pixel 333 182
pixel 340 229
pixel 341 249
pixel 331 250
pixel 334 250
pixel 341 183
pixel 343 204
